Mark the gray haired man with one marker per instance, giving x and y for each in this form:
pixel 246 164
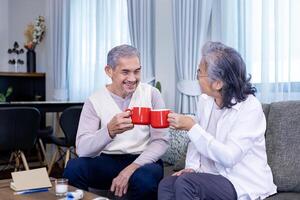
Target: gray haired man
pixel 117 155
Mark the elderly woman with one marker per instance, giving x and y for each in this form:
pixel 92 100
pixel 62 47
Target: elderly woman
pixel 226 157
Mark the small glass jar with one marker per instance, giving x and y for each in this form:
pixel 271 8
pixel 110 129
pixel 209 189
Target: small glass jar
pixel 61 187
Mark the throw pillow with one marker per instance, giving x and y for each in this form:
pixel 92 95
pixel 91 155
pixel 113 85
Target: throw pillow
pixel 178 145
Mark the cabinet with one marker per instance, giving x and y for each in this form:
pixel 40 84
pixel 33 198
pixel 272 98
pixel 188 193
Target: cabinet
pixel 26 86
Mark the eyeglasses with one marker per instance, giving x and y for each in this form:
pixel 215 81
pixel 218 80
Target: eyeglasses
pixel 199 75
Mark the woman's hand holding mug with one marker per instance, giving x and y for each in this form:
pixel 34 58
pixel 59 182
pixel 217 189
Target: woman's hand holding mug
pixel 182 122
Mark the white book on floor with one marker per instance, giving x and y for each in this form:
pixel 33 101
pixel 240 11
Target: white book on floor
pixel 30 179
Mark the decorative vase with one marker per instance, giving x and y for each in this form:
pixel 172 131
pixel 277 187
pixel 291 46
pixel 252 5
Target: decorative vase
pixel 31 60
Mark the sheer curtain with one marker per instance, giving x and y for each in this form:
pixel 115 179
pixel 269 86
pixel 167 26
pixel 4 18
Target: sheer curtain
pixel 191 28
pixel 266 33
pixel 58 42
pixel 95 27
pixel 142 33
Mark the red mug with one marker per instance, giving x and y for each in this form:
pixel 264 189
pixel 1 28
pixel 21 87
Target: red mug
pixel 159 118
pixel 140 115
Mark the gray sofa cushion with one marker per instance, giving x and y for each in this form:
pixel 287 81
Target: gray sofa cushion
pixel 282 142
pixel 180 164
pixel 285 196
pixel 266 109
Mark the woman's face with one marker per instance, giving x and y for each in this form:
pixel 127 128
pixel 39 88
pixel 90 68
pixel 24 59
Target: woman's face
pixel 203 80
pixel 208 87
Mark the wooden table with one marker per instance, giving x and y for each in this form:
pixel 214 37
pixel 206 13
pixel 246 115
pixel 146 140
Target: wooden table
pixel 8 194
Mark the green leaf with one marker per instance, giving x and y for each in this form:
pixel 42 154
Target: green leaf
pixel 9 91
pixel 158 86
pixel 2 98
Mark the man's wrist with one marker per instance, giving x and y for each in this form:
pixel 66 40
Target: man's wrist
pixel 112 135
pixel 133 167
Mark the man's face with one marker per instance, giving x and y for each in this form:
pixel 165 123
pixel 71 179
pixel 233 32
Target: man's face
pixel 126 75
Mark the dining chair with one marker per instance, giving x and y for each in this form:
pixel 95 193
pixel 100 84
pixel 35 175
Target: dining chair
pixel 44 137
pixel 68 121
pixel 18 132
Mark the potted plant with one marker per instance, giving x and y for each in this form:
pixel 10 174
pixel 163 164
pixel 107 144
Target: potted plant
pixel 4 96
pixel 158 85
pixel 34 35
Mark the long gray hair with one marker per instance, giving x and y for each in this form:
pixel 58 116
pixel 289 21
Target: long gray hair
pixel 121 51
pixel 226 64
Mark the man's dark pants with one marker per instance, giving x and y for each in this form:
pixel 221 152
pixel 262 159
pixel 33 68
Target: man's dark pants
pixel 98 172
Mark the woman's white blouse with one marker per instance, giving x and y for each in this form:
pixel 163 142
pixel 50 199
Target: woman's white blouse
pixel 237 149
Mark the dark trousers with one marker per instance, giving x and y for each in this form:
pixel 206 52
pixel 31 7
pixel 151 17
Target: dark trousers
pixel 194 186
pixel 99 172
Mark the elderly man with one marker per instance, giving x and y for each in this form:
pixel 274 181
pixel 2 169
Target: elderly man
pixel 113 153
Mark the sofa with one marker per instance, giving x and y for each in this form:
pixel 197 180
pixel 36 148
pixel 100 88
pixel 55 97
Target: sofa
pixel 282 143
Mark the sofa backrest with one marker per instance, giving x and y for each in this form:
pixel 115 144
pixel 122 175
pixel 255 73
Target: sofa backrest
pixel 283 144
pixel 266 109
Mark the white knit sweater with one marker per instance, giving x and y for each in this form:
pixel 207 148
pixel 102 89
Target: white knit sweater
pixel 133 141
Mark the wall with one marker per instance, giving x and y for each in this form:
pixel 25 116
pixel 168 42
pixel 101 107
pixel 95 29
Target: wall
pixel 3 35
pixel 165 60
pixel 16 14
pixel 21 13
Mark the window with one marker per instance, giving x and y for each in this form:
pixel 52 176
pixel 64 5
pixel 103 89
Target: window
pixel 95 28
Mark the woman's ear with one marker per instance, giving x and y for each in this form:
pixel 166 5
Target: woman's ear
pixel 108 71
pixel 218 85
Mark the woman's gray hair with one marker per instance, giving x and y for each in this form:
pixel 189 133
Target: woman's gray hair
pixel 121 51
pixel 226 64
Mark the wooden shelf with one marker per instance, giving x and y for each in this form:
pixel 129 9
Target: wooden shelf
pixel 26 86
pixel 22 74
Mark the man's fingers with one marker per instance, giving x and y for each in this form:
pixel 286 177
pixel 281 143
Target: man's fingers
pixel 124 114
pixel 117 192
pixel 119 186
pixel 113 186
pixel 125 121
pixel 116 186
pixel 125 189
pixel 125 126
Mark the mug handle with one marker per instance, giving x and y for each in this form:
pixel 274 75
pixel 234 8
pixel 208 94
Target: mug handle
pixel 130 110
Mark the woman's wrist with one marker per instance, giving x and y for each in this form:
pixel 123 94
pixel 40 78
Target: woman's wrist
pixel 190 124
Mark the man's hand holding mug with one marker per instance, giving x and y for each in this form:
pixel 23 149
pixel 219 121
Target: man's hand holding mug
pixel 119 123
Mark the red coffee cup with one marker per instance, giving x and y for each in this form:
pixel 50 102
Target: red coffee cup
pixel 140 115
pixel 159 118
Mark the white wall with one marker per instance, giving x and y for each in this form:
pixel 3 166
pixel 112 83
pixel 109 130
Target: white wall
pixel 21 13
pixel 165 60
pixel 3 35
pixel 16 14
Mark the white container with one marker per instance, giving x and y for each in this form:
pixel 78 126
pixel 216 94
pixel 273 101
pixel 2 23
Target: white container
pixel 61 187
